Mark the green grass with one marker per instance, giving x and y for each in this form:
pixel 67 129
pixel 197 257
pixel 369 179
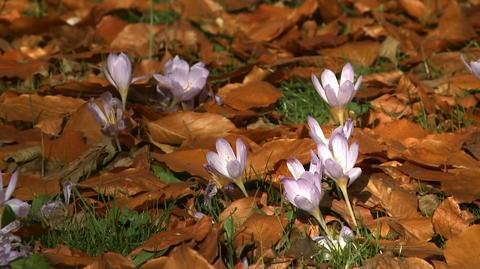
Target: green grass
pixel 450 121
pixel 119 230
pixel 301 100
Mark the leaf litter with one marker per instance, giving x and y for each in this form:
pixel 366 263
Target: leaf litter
pixel 153 148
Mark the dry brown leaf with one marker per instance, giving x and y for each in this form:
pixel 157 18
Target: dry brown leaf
pixel 185 257
pixel 22 69
pixel 190 161
pixel 449 220
pixel 66 256
pixel 155 263
pixel 265 231
pixel 35 108
pixel 67 148
pixel 240 210
pixel 128 182
pixel 461 252
pixel 31 186
pixel 265 158
pixel 178 127
pixel 173 237
pixel 362 53
pixel 415 8
pixel 249 95
pixel 83 121
pixel 111 260
pixel 388 261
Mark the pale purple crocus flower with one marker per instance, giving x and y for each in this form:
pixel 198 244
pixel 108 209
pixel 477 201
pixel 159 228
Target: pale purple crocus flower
pixel 339 160
pixel 336 94
pixel 54 212
pixel 318 136
pixel 11 247
pixel 472 66
pixel 224 163
pixel 180 82
pixel 304 189
pixel 336 243
pixel 19 207
pixel 111 117
pixel 119 72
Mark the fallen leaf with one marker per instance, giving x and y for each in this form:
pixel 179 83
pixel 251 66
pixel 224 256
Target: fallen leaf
pixel 461 252
pixel 449 220
pixel 249 95
pixel 185 257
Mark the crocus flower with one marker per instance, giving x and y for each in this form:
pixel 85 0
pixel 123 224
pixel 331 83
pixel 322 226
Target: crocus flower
pixel 180 82
pixel 339 159
pixel 111 117
pixel 19 207
pixel 317 135
pixel 304 189
pixel 335 243
pixel 225 164
pixel 336 94
pixel 119 73
pixel 11 246
pixel 53 213
pixel 473 66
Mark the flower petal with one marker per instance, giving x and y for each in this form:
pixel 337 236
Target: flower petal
pixel 339 146
pixel 318 87
pixel 331 96
pixel 291 189
pixel 316 131
pixel 242 153
pixel 333 169
pixel 328 78
pixel 198 76
pixel 295 167
pixel 347 74
pixel 11 185
pixel 234 170
pixel 358 83
pixel 217 163
pixel 304 204
pixel 346 93
pixel 353 174
pixel 19 207
pixel 323 152
pixel 352 156
pixel 179 71
pixel 225 151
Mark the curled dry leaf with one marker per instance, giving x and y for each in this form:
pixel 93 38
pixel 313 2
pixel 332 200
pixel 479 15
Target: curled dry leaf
pixel 461 252
pixel 449 220
pixel 240 210
pixel 362 53
pixel 178 127
pixel 249 95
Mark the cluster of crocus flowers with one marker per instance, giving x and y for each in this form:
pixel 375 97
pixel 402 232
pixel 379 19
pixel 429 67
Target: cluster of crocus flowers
pixel 337 94
pixel 180 83
pixel 226 165
pixel 110 117
pixel 335 243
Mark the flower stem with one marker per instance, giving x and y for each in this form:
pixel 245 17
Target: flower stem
pixel 117 142
pixel 317 214
pixel 342 184
pixel 240 185
pixel 338 114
